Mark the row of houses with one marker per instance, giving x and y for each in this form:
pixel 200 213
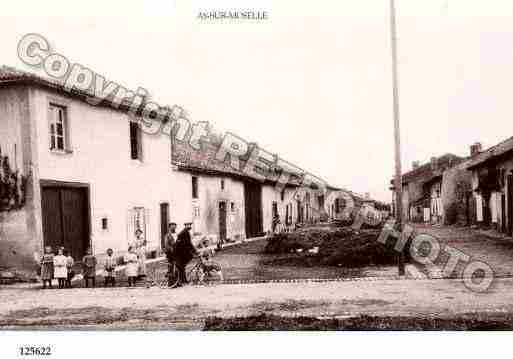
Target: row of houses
pixel 472 190
pixel 89 177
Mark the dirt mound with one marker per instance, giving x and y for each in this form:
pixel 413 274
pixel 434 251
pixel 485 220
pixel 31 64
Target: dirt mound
pixel 334 247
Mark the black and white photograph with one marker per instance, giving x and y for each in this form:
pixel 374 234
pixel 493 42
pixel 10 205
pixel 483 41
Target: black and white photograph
pixel 171 167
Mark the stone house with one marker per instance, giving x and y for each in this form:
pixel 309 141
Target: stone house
pixel 436 192
pixel 492 185
pixel 230 204
pixel 91 177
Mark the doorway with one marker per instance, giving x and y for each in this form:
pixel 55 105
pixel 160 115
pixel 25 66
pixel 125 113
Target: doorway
pixel 65 217
pixel 510 204
pixel 253 209
pixel 222 222
pixel 164 223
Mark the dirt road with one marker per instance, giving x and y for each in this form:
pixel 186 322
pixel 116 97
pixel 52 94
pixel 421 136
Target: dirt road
pixel 186 308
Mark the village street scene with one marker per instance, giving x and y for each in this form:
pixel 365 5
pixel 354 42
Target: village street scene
pixel 122 211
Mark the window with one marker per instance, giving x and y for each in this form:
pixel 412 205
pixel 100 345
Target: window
pixel 321 201
pixel 138 217
pixel 196 224
pixel 105 223
pixel 58 128
pixel 194 187
pixel 222 185
pixel 282 194
pixel 232 206
pixel 135 141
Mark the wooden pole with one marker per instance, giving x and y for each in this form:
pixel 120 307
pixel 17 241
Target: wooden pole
pixel 397 134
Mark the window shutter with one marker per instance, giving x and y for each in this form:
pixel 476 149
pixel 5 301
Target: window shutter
pixel 50 122
pixel 130 226
pixel 147 226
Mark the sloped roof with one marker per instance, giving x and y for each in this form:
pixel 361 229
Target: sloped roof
pixel 492 153
pixel 184 156
pixel 426 173
pixel 10 75
pixel 204 160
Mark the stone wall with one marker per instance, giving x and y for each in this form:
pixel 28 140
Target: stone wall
pixel 457 195
pixel 19 243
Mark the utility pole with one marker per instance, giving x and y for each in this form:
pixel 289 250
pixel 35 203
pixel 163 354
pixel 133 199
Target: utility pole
pixel 397 136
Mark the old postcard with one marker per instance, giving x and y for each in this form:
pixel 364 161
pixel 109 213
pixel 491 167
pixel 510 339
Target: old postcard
pixel 254 166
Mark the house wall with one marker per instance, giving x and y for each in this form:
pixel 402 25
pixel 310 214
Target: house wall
pixel 269 195
pixel 436 202
pixel 17 227
pixel 494 204
pixel 210 195
pixel 456 186
pixel 101 158
pixel 342 215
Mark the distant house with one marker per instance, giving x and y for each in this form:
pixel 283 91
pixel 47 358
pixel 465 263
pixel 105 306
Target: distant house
pixel 429 190
pixel 492 185
pixel 227 203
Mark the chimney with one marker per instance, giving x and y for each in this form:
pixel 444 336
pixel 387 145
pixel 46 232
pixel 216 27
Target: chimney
pixel 415 165
pixel 433 163
pixel 475 149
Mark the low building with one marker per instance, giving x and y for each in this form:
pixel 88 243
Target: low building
pixel 430 192
pixel 229 204
pixel 492 185
pixel 80 175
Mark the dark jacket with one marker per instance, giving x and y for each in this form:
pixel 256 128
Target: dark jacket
pixel 184 250
pixel 170 245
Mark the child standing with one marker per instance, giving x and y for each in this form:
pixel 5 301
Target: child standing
pixel 141 257
pixel 60 270
pixel 132 266
pixel 89 262
pixel 69 267
pixel 47 267
pixel 110 267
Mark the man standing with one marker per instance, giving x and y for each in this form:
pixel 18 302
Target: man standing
pixel 170 243
pixel 184 252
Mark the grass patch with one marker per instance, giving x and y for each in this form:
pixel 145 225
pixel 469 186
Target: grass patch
pixel 470 322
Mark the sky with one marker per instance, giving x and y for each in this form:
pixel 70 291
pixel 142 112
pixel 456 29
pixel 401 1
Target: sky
pixel 312 83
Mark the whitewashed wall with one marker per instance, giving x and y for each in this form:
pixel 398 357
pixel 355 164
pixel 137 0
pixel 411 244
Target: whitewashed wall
pixel 101 157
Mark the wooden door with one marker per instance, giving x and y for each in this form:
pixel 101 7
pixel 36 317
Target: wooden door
pixel 52 217
pixel 510 204
pixel 503 213
pixel 253 209
pixel 164 222
pixel 65 212
pixel 222 221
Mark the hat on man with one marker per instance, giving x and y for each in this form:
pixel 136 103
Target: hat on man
pixel 188 223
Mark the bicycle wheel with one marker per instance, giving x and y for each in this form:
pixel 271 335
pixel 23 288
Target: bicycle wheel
pixel 172 276
pixel 215 272
pixel 195 275
pixel 157 276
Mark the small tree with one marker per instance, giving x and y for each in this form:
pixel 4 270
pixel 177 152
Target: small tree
pixel 12 186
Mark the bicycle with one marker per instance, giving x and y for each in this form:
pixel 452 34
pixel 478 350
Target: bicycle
pixel 203 269
pixel 165 276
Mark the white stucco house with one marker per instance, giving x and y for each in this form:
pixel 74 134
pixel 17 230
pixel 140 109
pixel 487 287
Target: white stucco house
pixel 92 178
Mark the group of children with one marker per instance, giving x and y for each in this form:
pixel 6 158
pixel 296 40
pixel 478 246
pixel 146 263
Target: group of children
pixel 61 267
